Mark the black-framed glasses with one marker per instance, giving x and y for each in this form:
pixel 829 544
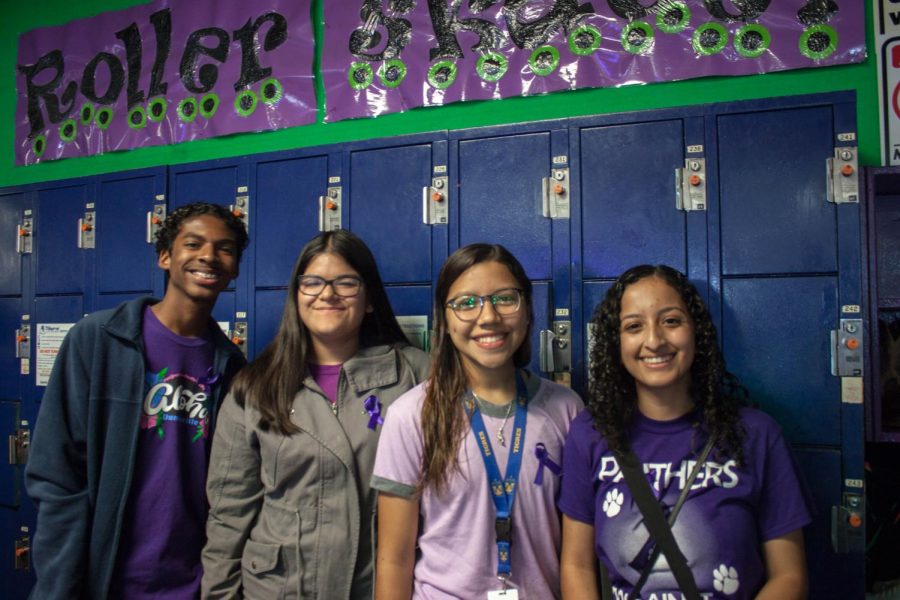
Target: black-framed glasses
pixel 345 286
pixel 468 307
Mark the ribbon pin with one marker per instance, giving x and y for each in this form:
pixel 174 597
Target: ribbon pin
pixel 373 409
pixel 544 460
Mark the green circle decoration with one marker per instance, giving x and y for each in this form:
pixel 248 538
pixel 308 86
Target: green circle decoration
pixel 709 38
pixel 39 145
pixel 584 40
pixel 245 103
pixel 209 104
pixel 104 117
pixel 674 17
pixel 818 41
pixel 392 73
pixel 360 75
pixel 156 109
pixel 271 91
pixel 442 74
pixel 752 40
pixel 188 109
pixel 68 129
pixel 87 113
pixel 492 66
pixel 137 117
pixel 637 37
pixel 544 60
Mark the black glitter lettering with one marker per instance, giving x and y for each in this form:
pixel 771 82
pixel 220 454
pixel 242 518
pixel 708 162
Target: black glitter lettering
pixel 364 40
pixel 748 9
pixel 207 74
pixel 162 27
pixel 447 25
pixel 57 108
pixel 131 36
pixel 116 79
pixel 817 12
pixel 251 71
pixel 565 15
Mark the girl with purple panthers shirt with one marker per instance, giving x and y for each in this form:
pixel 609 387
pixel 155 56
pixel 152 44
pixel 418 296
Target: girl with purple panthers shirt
pixel 659 387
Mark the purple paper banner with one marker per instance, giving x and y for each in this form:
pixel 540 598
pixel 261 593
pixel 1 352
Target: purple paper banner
pixel 163 73
pixel 387 56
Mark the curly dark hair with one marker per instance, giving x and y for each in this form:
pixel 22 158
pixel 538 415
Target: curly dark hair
pixel 172 225
pixel 612 396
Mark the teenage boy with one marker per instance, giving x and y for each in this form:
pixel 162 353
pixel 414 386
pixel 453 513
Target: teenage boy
pixel 119 454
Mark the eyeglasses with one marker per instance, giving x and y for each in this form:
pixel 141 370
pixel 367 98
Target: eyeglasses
pixel 345 286
pixel 469 307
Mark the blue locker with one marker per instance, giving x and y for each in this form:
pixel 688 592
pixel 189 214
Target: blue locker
pixel 789 267
pixel 284 210
pixel 125 263
pixel 383 183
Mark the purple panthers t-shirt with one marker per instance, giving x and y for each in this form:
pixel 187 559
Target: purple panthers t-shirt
pixel 165 518
pixel 728 515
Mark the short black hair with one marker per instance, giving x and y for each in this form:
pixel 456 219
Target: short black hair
pixel 172 225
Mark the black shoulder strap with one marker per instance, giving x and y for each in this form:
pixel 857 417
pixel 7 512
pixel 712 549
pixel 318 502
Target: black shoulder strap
pixel 656 523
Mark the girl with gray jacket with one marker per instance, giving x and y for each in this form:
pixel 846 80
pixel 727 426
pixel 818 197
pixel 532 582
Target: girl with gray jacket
pixel 288 485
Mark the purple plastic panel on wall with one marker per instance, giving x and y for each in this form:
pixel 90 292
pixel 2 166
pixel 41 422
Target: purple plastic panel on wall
pixel 163 73
pixel 385 56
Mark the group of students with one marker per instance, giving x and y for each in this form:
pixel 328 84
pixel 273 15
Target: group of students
pixel 344 463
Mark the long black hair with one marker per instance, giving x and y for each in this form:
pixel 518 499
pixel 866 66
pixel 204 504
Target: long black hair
pixel 612 396
pixel 272 380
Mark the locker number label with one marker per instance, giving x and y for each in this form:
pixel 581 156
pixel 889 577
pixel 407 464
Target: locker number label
pixel 695 149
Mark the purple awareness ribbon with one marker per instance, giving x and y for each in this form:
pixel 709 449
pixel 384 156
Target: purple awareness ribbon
pixel 210 378
pixel 544 460
pixel 373 409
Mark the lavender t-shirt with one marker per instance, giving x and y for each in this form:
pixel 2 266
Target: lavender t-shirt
pixel 165 519
pixel 729 513
pixel 457 549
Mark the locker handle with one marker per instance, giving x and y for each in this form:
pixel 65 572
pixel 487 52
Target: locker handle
pixel 547 363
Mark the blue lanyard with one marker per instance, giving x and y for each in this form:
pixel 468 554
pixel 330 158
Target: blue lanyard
pixel 503 489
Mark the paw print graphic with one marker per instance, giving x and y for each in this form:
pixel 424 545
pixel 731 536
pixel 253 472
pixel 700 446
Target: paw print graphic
pixel 725 580
pixel 612 504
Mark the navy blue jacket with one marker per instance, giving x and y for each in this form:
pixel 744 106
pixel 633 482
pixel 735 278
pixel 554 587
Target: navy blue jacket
pixel 84 447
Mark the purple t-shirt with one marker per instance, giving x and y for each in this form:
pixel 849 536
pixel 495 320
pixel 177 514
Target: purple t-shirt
pixel 728 515
pixel 326 377
pixel 165 518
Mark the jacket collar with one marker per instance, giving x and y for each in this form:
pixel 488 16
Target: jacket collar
pixel 126 322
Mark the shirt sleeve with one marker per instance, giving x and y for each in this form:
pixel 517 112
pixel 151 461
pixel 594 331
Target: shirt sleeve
pixel 398 461
pixel 576 499
pixel 784 502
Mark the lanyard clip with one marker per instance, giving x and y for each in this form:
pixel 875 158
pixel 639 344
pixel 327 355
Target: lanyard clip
pixel 503 527
pixel 504 580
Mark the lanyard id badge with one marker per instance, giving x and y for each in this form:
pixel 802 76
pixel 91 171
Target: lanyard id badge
pixel 507 594
pixel 503 488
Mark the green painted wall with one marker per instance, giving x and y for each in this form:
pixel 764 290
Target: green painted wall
pixel 17 16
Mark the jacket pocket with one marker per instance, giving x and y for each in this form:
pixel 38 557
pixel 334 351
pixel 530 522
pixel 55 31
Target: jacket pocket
pixel 263 571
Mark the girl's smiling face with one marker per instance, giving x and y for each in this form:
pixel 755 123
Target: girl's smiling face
pixel 656 341
pixel 488 343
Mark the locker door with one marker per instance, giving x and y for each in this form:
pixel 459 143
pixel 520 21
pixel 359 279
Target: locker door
pixel 125 262
pixel 625 169
pixel 61 268
pixel 12 213
pixel 285 217
pixel 217 182
pixel 500 173
pixel 385 183
pixel 789 269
